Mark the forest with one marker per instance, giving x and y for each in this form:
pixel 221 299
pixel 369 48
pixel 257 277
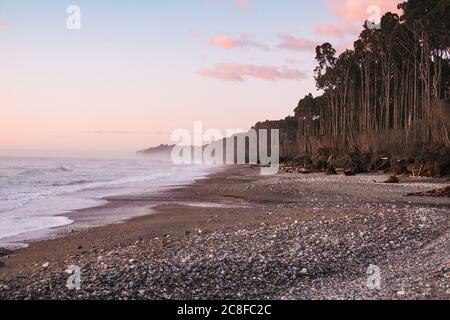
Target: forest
pixel 389 95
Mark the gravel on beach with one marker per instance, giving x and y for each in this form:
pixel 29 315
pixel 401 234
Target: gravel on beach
pixel 355 231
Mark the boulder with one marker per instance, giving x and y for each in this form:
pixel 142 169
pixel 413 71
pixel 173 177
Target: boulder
pixel 349 172
pixel 392 179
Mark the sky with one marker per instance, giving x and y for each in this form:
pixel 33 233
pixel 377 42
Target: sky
pixel 137 70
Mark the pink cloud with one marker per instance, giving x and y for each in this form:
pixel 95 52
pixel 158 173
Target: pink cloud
pixel 351 14
pixel 4 24
pixel 290 42
pixel 243 4
pixel 351 11
pixel 236 72
pixel 243 41
pixel 324 29
pixel 222 42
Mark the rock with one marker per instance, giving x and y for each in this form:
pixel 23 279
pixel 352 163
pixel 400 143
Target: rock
pixel 350 172
pixel 444 193
pixel 304 171
pixel 392 179
pixel 228 262
pixel 2 264
pixel 46 265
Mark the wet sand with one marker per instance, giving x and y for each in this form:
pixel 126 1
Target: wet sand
pixel 240 235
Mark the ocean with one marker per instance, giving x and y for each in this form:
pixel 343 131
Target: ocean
pixel 36 192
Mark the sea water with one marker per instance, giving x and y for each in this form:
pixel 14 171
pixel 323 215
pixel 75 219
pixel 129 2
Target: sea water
pixel 36 192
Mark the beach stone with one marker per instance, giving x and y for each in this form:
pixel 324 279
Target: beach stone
pixel 45 265
pixel 392 179
pixel 321 257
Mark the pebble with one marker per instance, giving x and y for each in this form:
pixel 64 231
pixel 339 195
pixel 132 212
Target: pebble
pixel 264 262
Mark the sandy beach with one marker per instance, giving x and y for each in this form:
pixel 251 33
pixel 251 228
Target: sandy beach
pixel 238 235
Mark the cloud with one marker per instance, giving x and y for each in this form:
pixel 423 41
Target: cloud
pixel 324 29
pixel 244 41
pixel 350 16
pixel 290 42
pixel 235 72
pixel 356 11
pixel 243 4
pixel 4 24
pixel 293 61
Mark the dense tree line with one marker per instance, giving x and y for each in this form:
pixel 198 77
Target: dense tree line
pixel 396 80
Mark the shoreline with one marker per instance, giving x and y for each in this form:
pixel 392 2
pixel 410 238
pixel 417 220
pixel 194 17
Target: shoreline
pixel 102 210
pixel 300 236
